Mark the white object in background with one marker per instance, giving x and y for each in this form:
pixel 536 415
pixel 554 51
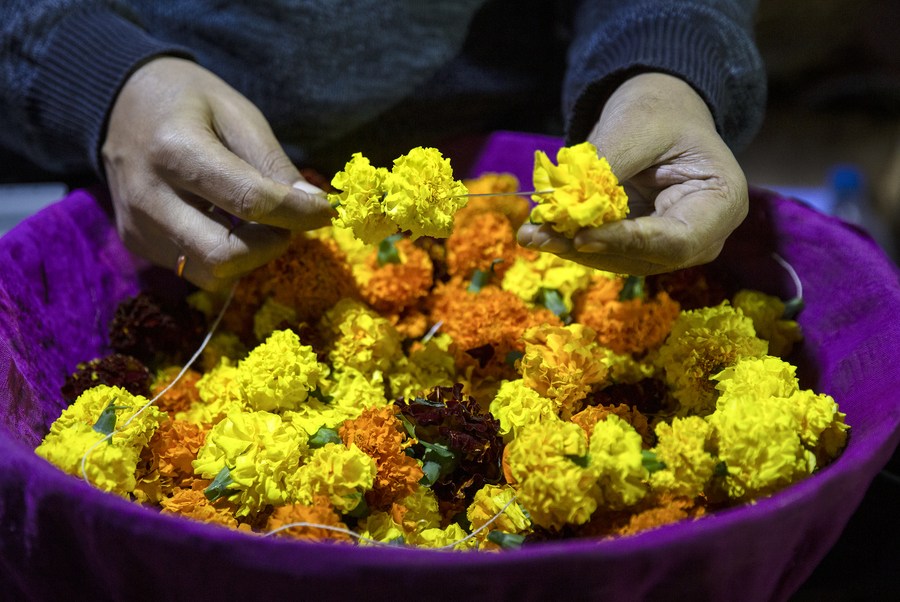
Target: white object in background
pixel 18 201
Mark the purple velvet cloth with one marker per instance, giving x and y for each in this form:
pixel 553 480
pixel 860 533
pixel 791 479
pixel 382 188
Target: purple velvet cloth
pixel 64 271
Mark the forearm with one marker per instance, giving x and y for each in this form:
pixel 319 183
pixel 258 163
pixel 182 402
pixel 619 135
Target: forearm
pixel 63 64
pixel 709 44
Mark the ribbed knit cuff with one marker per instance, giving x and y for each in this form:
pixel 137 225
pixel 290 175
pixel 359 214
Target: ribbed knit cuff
pixel 88 58
pixel 709 52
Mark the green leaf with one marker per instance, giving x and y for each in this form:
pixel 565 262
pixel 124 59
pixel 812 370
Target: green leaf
pixel 552 300
pixel 437 461
pixel 324 436
pixel 219 486
pixel 317 394
pixel 721 470
pixel 632 289
pixel 507 541
pixel 581 461
pixel 431 472
pixel 651 462
pixel 481 278
pixel 387 250
pixel 512 357
pixel 361 510
pixel 106 422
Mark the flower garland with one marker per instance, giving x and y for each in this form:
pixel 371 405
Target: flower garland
pixel 411 376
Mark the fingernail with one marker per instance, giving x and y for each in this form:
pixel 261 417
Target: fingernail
pixel 591 247
pixel 307 187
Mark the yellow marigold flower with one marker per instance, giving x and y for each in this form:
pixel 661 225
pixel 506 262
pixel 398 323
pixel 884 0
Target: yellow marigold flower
pixel 821 424
pixel 381 527
pixel 279 373
pixel 393 287
pixel 422 195
pixel 682 447
pixel 517 406
pixel 586 193
pixel 516 208
pixel 131 428
pixel 616 460
pixel 527 277
pixel 351 388
pixel 272 316
pixel 418 510
pixel 361 338
pixel 360 203
pixel 759 443
pixel 755 378
pixel 428 366
pixel 624 369
pixel 355 250
pixel 486 504
pixel 547 463
pixel 590 416
pixel 261 452
pixel 562 363
pixel 220 393
pixel 343 474
pixel 314 414
pixel 110 467
pixel 767 313
pixel 436 537
pixel 702 343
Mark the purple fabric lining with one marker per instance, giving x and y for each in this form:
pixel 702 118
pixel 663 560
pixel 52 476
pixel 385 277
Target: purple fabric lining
pixel 64 271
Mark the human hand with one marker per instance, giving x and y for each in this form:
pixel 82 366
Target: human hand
pixel 686 191
pixel 185 154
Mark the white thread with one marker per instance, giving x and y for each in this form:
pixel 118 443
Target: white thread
pixel 521 193
pixel 359 537
pixel 187 366
pixel 793 273
pixel 348 532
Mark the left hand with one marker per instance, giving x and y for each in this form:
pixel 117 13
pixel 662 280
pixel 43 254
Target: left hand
pixel 686 191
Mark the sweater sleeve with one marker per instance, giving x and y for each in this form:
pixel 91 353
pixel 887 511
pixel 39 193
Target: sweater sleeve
pixel 62 66
pixel 707 43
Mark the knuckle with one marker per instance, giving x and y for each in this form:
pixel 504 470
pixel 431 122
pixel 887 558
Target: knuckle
pixel 275 162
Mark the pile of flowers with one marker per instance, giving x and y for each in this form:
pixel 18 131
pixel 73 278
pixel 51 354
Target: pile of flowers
pixel 411 375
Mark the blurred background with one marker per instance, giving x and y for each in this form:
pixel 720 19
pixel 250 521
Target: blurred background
pixel 832 139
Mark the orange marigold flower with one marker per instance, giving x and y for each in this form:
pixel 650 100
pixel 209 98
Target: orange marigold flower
pixel 562 363
pixel 591 415
pixel 193 504
pixel 393 287
pixel 485 326
pixel 175 445
pixel 476 243
pixel 380 434
pixel 633 326
pixel 515 208
pixel 310 277
pixel 181 395
pixel 320 512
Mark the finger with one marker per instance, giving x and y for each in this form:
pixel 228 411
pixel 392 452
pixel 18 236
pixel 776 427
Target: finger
pixel 543 238
pixel 198 163
pixel 215 253
pixel 244 130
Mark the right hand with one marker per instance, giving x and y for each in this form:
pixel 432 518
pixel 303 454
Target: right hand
pixel 183 152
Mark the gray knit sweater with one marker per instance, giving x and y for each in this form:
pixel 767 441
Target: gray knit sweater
pixel 380 76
